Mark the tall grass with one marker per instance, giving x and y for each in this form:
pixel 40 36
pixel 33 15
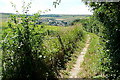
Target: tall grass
pixel 60 47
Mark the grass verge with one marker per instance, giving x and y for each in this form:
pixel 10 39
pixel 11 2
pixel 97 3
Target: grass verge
pixel 69 65
pixel 91 66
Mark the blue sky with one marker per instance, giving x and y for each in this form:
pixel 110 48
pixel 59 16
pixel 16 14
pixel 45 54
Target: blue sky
pixel 65 7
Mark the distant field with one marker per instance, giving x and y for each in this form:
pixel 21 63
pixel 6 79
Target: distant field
pixel 53 16
pixel 67 18
pixel 4 15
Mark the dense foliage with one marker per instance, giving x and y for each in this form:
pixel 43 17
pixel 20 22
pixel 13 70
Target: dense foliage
pixel 90 24
pixel 109 14
pixel 61 45
pixel 32 52
pixel 22 48
pixel 94 57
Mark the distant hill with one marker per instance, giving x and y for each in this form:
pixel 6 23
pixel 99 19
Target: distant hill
pixel 50 15
pixel 6 15
pixel 52 19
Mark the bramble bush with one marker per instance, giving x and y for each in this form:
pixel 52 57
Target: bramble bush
pixel 30 52
pixel 22 48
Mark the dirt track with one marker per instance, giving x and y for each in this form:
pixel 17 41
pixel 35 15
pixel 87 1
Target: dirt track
pixel 76 69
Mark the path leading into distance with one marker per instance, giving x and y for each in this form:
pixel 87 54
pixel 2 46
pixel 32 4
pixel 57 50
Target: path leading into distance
pixel 76 68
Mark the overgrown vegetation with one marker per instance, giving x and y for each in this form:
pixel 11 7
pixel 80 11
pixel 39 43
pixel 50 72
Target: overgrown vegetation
pixel 91 67
pixel 72 60
pixel 90 24
pixel 36 52
pixel 108 14
pixel 93 25
pixel 106 25
pixel 32 51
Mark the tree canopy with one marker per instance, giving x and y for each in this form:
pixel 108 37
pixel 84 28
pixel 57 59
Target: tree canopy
pixel 109 14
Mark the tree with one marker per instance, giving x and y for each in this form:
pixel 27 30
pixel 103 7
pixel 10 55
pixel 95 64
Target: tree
pixel 109 14
pixel 22 57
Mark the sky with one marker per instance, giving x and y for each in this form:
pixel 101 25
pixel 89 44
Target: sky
pixel 65 7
